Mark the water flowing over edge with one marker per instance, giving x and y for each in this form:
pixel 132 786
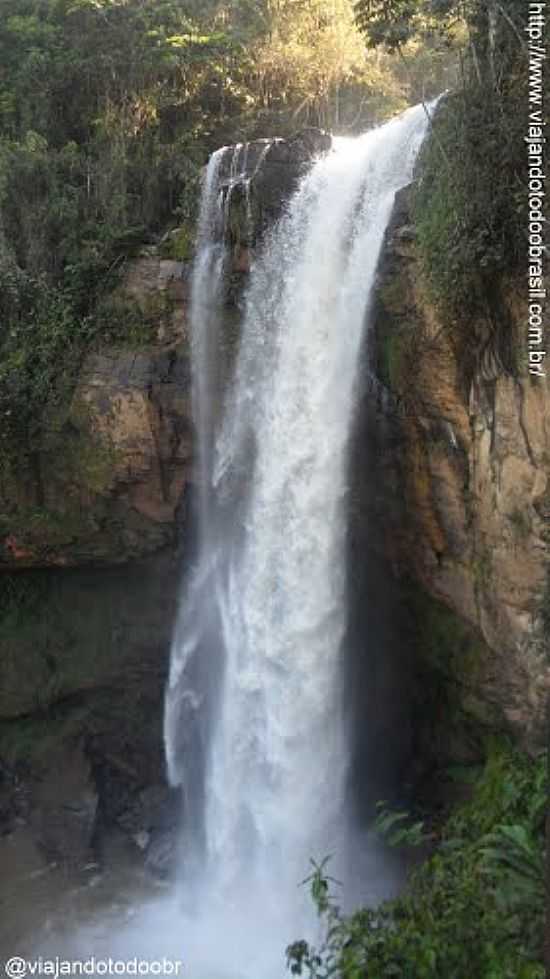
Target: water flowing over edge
pixel 255 720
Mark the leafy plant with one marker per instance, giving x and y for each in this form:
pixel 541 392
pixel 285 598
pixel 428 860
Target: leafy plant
pixel 474 908
pixel 516 853
pixel 396 828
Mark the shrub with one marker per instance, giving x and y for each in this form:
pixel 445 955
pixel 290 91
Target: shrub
pixel 474 908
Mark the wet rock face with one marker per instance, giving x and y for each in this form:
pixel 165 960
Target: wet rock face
pixel 280 171
pixel 256 179
pixel 473 467
pixel 262 157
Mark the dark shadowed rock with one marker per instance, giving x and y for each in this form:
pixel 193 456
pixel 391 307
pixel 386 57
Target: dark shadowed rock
pixel 258 178
pixel 154 808
pixel 64 806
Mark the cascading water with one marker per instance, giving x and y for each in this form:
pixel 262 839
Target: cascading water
pixel 255 688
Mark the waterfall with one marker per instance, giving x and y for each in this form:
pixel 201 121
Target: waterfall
pixel 255 719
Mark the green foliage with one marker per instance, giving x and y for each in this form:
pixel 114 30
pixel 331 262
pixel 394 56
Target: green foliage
pixel 469 225
pixel 514 853
pixel 105 113
pixel 123 322
pixel 391 22
pixel 103 152
pixel 178 245
pixel 40 335
pixel 397 829
pixel 43 339
pixel 319 886
pixel 474 908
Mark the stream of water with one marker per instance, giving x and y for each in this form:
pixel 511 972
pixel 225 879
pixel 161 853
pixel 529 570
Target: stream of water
pixel 256 680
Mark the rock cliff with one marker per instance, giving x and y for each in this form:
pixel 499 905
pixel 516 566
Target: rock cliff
pixel 470 460
pixel 107 484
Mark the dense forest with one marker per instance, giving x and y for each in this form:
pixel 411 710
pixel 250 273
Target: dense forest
pixel 109 110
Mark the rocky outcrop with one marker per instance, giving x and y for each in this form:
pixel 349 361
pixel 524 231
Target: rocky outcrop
pixel 265 173
pixel 137 403
pixel 471 459
pixel 110 481
pixel 84 661
pixel 256 180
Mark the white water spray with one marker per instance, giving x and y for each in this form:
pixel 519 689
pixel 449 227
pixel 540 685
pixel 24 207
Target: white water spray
pixel 255 684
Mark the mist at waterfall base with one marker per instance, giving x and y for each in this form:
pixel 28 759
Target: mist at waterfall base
pixel 258 724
